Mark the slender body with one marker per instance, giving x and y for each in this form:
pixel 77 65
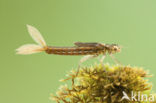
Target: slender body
pixel 89 49
pixel 95 49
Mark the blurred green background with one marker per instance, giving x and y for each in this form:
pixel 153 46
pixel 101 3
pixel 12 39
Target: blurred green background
pixel 31 78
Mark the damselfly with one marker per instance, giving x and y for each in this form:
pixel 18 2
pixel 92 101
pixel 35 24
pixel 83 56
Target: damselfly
pixel 90 50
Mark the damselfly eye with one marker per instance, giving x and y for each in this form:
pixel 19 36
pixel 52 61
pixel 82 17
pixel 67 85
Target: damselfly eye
pixel 115 48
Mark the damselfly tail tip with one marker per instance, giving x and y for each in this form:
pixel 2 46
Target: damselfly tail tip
pixel 36 35
pixel 30 28
pixel 28 25
pixel 33 48
pixel 29 49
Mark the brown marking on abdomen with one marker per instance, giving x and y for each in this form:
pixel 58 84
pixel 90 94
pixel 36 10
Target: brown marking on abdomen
pixel 72 50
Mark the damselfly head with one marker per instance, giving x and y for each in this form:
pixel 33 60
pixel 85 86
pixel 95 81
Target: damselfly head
pixel 114 48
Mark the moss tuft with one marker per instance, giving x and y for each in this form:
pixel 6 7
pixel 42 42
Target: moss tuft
pixel 103 84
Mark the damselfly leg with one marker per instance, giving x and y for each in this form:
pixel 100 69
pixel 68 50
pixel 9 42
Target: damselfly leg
pixel 115 60
pixel 101 61
pixel 83 59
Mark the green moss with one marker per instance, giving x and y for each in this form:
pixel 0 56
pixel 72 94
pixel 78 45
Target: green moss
pixel 103 84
